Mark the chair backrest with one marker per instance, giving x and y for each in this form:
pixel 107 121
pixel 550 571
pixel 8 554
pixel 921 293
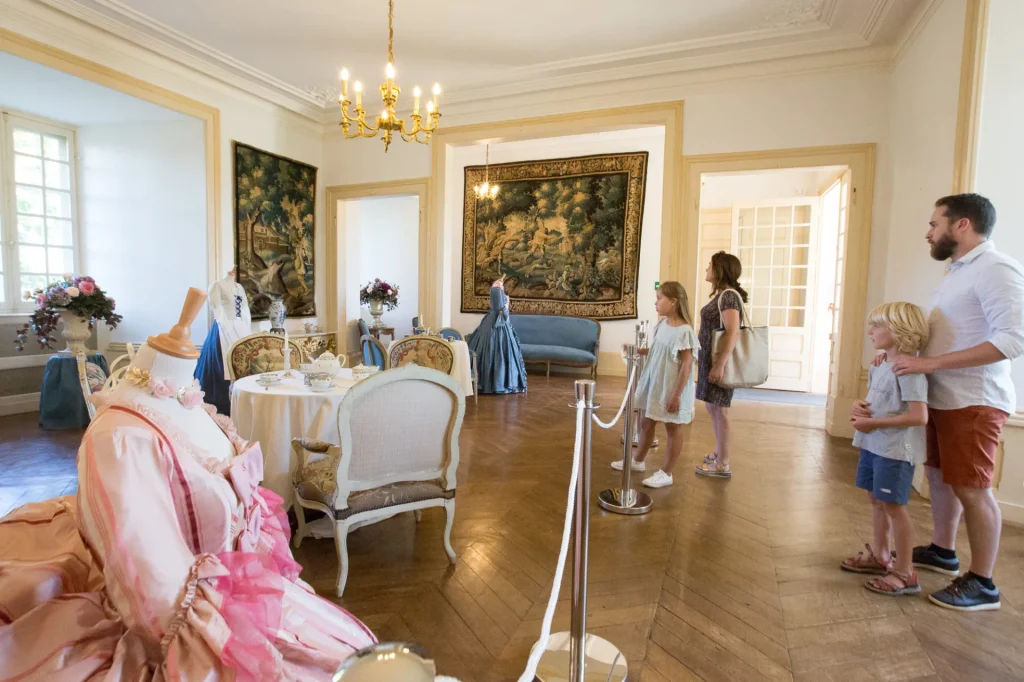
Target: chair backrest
pixel 92 379
pixel 426 351
pixel 400 425
pixel 374 352
pixel 555 330
pixel 117 370
pixel 260 353
pixel 450 334
pixel 364 329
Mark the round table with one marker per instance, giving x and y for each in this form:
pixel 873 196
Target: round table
pixel 277 414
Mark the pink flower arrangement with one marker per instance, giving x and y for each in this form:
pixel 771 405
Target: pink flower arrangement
pixel 379 290
pixel 78 295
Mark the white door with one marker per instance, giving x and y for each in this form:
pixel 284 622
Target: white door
pixel 774 242
pixel 844 219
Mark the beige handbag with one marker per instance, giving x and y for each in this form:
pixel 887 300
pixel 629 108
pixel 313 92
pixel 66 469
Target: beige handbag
pixel 747 366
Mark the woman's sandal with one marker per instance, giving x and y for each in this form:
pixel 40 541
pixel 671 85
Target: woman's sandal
pixel 895 584
pixel 714 470
pixel 710 457
pixel 865 563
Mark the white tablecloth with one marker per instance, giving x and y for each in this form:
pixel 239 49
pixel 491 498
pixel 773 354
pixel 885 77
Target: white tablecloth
pixel 275 415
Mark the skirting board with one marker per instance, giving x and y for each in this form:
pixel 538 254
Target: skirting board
pixel 19 404
pixel 1012 513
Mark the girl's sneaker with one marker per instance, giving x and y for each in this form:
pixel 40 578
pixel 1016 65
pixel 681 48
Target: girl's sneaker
pixel 633 465
pixel 659 479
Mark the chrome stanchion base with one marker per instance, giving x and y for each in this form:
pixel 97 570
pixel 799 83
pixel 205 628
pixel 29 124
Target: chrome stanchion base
pixel 604 661
pixel 634 503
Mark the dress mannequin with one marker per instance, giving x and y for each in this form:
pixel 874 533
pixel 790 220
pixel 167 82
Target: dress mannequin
pixel 170 563
pixel 231 322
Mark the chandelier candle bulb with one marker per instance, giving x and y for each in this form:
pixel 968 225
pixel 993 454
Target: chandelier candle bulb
pixel 344 83
pixel 416 101
pixel 437 93
pixel 359 95
pixel 389 71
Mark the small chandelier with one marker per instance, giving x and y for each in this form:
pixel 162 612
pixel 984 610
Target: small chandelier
pixel 388 123
pixel 486 190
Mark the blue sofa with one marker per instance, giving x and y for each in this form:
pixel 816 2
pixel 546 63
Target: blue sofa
pixel 553 339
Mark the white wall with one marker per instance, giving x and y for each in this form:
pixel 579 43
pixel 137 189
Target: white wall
pixel 652 140
pixel 925 91
pixel 383 242
pixel 243 117
pixel 1000 173
pixel 142 214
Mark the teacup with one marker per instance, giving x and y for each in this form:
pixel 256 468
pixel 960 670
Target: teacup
pixel 269 379
pixel 321 381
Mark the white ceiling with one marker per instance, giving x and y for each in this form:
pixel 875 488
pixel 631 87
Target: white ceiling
pixel 471 45
pixel 35 89
pixel 725 190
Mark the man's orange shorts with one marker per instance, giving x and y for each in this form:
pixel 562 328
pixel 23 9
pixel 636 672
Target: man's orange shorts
pixel 962 444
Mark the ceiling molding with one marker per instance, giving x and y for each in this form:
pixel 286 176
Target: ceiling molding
pixel 913 28
pixel 875 18
pixel 828 12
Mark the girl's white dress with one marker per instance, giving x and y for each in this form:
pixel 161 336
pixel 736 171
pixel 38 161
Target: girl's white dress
pixel 658 381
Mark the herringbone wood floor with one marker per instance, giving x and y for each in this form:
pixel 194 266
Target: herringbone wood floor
pixel 727 581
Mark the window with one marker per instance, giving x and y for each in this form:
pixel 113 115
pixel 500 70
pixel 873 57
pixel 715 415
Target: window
pixel 37 207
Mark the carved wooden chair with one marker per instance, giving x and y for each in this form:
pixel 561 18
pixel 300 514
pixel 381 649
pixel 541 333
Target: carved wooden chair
pixel 374 352
pixel 259 353
pixel 426 351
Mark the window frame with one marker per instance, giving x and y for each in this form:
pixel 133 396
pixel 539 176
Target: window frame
pixel 10 119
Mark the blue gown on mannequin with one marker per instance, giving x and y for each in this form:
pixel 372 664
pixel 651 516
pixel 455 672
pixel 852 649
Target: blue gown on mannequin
pixel 499 361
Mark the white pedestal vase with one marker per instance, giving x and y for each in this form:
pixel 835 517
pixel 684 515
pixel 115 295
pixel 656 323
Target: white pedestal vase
pixel 376 310
pixel 76 332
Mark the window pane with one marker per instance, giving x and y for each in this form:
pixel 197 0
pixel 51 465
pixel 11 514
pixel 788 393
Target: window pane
pixel 764 236
pixel 30 200
pixel 777 318
pixel 801 254
pixel 782 236
pixel 58 204
pixel 745 236
pixel 796 318
pixel 797 298
pixel 798 277
pixel 55 147
pixel 765 215
pixel 801 214
pixel 30 283
pixel 3 289
pixel 58 175
pixel 759 317
pixel 781 256
pixel 60 260
pixel 746 216
pixel 745 254
pixel 762 257
pixel 30 230
pixel 802 235
pixel 58 232
pixel 28 169
pixel 27 142
pixel 760 277
pixel 779 297
pixel 784 215
pixel 32 259
pixel 759 297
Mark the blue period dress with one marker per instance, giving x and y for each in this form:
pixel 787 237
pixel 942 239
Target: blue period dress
pixel 499 360
pixel 654 389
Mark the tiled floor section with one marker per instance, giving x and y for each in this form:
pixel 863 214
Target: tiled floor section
pixel 727 581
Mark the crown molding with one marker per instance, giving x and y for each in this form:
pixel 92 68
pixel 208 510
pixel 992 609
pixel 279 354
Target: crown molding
pixel 913 28
pixel 875 18
pixel 164 41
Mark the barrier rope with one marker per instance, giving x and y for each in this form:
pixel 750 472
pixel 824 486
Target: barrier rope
pixel 622 407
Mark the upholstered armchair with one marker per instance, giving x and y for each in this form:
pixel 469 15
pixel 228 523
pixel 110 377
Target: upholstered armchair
pixel 399 452
pixel 91 378
pixel 259 353
pixel 425 351
pixel 119 366
pixel 374 352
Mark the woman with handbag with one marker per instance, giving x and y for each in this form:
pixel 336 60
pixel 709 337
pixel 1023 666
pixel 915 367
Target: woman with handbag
pixel 722 313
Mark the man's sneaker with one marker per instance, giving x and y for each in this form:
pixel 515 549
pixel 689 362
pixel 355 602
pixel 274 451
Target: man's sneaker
pixel 633 465
pixel 966 594
pixel 659 479
pixel 926 558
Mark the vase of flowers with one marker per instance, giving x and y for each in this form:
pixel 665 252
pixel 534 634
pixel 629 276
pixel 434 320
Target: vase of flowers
pixel 77 301
pixel 379 295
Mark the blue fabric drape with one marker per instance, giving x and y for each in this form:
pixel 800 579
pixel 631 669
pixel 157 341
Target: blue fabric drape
pixel 210 373
pixel 500 365
pixel 61 403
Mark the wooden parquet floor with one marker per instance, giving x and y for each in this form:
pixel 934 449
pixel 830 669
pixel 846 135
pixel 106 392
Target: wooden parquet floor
pixel 723 581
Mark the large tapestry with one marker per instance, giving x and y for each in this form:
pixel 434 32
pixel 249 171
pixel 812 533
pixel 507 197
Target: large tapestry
pixel 564 233
pixel 275 201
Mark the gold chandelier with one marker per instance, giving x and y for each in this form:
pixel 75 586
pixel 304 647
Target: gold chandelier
pixel 388 123
pixel 486 190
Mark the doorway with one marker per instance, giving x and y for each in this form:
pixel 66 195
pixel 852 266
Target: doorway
pixel 790 277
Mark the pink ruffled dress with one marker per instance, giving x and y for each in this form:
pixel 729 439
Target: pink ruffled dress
pixel 164 567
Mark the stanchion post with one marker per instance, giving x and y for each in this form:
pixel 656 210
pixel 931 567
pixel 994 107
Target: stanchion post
pixel 637 413
pixel 625 500
pixel 575 656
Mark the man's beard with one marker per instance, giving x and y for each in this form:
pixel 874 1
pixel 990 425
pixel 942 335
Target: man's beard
pixel 944 248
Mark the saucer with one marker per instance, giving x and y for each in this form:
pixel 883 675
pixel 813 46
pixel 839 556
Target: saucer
pixel 322 389
pixel 268 379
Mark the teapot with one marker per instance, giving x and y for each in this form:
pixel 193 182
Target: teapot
pixel 327 363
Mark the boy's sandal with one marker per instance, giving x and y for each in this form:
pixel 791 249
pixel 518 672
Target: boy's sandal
pixel 714 470
pixel 710 457
pixel 865 563
pixel 895 584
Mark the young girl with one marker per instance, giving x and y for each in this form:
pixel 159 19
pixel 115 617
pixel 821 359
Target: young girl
pixel 892 441
pixel 664 390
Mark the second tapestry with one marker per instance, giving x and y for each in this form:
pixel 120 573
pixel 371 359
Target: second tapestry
pixel 564 233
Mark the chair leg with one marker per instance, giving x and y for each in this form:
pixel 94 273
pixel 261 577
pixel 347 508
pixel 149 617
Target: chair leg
pixel 417 514
pixel 341 546
pixel 449 512
pixel 300 532
pixel 549 369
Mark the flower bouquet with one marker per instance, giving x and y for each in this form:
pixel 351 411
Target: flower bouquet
pixel 70 297
pixel 379 295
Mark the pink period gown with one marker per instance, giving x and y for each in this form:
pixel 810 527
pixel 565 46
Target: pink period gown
pixel 164 567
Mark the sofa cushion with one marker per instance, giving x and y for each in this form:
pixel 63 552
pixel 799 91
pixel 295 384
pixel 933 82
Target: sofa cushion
pixel 533 352
pixel 552 330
